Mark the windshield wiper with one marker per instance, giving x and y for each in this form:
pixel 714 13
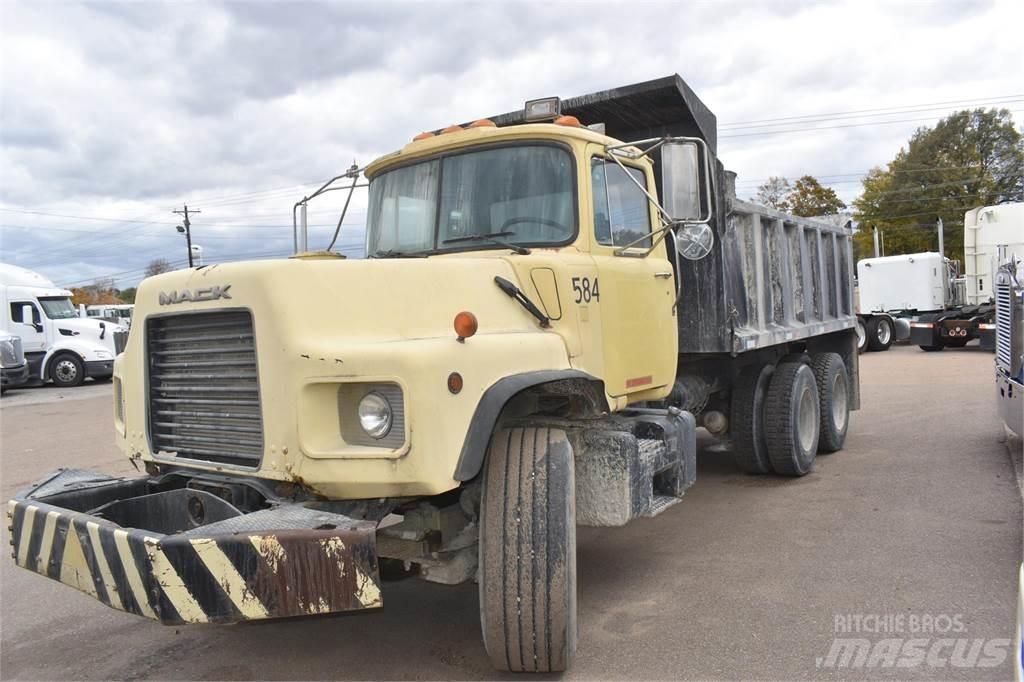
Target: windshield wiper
pixel 391 253
pixel 515 292
pixel 492 238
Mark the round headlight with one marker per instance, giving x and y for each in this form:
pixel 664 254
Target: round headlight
pixel 375 415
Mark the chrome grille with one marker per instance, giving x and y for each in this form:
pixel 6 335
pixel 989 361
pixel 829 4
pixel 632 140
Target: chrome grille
pixel 1004 316
pixel 204 399
pixel 120 341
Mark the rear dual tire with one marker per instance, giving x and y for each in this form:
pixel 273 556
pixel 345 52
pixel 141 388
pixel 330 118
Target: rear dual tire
pixel 880 333
pixel 528 551
pixel 792 419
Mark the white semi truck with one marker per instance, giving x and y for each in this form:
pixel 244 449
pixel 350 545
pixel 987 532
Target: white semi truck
pixel 58 345
pixel 1009 292
pixel 943 307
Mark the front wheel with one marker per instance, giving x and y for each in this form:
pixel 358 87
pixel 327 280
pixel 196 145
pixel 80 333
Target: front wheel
pixel 528 551
pixel 67 370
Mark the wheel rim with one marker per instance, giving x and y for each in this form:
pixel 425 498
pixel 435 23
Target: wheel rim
pixel 884 332
pixel 839 397
pixel 861 334
pixel 806 420
pixel 65 371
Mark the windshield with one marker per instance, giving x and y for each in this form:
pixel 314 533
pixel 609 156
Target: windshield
pixel 522 194
pixel 58 307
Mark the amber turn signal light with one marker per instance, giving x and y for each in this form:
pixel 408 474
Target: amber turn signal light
pixel 454 382
pixel 465 325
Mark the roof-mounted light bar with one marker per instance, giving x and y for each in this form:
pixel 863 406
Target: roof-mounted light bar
pixel 546 109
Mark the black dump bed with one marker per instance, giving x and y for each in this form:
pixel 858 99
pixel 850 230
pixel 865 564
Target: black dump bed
pixel 771 277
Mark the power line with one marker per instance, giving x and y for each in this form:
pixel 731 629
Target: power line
pixel 868 111
pixel 847 125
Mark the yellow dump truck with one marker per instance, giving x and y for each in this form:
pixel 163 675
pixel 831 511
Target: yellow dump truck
pixel 553 300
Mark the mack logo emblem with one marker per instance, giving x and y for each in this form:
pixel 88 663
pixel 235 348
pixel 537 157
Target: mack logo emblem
pixel 207 294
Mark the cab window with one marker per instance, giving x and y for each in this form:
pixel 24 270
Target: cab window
pixel 621 213
pixel 16 316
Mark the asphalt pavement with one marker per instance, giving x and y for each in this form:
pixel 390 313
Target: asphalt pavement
pixel 912 532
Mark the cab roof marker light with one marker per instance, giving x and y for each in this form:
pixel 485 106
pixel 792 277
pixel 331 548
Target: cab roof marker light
pixel 546 109
pixel 423 136
pixel 452 129
pixel 569 121
pixel 483 123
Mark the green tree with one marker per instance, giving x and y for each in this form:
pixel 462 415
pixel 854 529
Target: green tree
pixel 128 295
pixel 809 198
pixel 969 159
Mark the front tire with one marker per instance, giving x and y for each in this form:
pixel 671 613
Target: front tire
pixel 792 419
pixel 67 370
pixel 880 333
pixel 833 400
pixel 528 551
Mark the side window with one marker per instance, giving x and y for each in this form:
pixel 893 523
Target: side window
pixel 621 212
pixel 16 316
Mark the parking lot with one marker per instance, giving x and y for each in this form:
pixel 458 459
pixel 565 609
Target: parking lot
pixel 748 577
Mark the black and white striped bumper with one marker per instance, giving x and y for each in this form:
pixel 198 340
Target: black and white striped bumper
pixel 249 571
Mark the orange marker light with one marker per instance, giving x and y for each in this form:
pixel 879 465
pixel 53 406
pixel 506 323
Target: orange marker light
pixel 455 382
pixel 483 123
pixel 422 136
pixel 570 121
pixel 465 325
pixel 452 129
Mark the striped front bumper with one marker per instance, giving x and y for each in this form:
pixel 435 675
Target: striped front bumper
pixel 247 572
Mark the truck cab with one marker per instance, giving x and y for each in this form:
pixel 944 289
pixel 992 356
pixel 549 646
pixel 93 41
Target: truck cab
pixel 58 345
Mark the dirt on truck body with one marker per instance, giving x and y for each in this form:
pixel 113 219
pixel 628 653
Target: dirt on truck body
pixel 552 301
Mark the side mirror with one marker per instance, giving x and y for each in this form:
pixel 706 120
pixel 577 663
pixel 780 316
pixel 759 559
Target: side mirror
pixel 28 317
pixel 681 181
pixel 686 185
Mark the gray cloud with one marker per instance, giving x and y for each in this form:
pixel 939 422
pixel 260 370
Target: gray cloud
pixel 126 110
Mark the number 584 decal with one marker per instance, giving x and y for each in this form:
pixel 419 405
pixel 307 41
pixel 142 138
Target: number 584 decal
pixel 585 289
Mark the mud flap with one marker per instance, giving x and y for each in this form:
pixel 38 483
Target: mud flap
pixel 290 560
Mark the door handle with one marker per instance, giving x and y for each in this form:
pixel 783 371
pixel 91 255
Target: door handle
pixel 663 275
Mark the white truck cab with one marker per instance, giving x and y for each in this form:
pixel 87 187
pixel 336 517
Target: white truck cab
pixel 58 344
pixel 118 313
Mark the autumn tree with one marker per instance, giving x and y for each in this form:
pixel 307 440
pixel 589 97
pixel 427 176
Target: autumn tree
pixel 773 192
pixel 101 291
pixel 157 267
pixel 127 295
pixel 809 198
pixel 969 159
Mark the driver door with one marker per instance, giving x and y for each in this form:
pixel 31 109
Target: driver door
pixel 636 294
pixel 32 341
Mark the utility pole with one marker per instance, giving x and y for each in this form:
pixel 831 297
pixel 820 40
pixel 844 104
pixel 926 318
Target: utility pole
pixel 186 229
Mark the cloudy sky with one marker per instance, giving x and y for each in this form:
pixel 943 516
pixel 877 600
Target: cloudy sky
pixel 112 115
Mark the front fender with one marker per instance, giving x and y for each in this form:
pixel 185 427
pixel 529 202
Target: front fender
pixel 88 352
pixel 489 409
